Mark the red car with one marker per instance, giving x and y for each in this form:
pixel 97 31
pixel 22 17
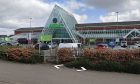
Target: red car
pixel 102 46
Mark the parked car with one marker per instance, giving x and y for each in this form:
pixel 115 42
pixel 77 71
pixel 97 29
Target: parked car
pixel 101 46
pixel 14 43
pixel 9 43
pixel 22 40
pixel 52 45
pixel 6 44
pixel 43 46
pixel 124 44
pixel 1 43
pixel 119 48
pixel 70 45
pixel 137 45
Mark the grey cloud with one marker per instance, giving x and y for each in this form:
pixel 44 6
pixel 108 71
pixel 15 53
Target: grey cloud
pixel 114 5
pixel 129 10
pixel 16 13
pixel 133 15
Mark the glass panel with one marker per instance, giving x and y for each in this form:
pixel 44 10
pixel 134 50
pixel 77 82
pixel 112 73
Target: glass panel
pixel 60 16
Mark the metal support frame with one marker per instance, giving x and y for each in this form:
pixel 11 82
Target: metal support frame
pixel 130 33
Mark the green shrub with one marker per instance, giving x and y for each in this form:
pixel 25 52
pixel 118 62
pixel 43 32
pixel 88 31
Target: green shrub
pixel 121 56
pixel 24 55
pixel 133 67
pixel 88 52
pixel 81 62
pixel 35 58
pixel 109 66
pixel 65 54
pixel 3 51
pixel 3 55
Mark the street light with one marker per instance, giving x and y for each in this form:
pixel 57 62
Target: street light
pixel 30 37
pixel 117 19
pixel 104 32
pixel 117 13
pixel 30 22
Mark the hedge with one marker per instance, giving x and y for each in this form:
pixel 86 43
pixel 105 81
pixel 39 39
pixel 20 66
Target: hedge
pixel 131 67
pixel 109 60
pixel 23 55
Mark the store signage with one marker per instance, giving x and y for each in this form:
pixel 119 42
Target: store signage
pixel 45 37
pixel 56 26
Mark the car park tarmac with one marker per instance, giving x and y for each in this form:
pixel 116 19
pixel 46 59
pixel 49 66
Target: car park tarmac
pixel 16 73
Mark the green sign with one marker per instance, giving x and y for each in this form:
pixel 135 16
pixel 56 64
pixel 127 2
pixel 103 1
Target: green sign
pixel 7 39
pixel 92 40
pixel 56 26
pixel 45 37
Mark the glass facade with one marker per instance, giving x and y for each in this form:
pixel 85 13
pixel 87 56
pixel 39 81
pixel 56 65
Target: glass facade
pixel 60 25
pixel 104 33
pixel 60 33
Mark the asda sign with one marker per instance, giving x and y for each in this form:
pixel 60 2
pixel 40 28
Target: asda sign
pixel 56 26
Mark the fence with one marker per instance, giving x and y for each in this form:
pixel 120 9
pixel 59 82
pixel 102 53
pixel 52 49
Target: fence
pixel 51 54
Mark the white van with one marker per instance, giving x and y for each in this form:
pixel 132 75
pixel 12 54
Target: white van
pixel 137 45
pixel 123 43
pixel 69 45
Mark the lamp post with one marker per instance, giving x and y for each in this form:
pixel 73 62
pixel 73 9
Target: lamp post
pixel 104 34
pixel 30 22
pixel 30 36
pixel 117 19
pixel 117 13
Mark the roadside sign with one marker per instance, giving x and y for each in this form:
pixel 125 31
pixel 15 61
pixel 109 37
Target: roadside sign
pixel 45 37
pixel 92 40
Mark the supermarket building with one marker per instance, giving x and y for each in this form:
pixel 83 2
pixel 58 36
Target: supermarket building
pixel 62 27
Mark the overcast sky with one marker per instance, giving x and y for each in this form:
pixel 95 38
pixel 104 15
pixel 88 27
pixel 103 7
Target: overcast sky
pixel 16 13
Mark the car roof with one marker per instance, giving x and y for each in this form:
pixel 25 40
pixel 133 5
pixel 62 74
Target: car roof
pixel 102 44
